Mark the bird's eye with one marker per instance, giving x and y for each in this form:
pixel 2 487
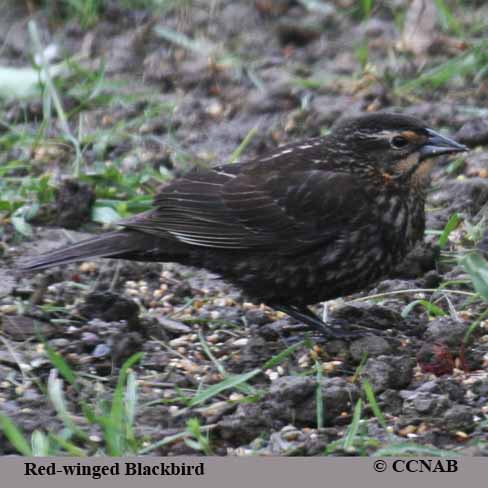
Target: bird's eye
pixel 399 142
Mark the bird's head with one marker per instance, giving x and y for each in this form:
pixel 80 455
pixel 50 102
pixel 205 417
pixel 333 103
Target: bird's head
pixel 400 147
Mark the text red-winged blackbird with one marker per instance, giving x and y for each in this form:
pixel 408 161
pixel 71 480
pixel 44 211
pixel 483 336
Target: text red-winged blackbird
pixel 309 222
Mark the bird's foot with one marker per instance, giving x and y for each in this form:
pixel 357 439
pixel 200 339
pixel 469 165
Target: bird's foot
pixel 331 330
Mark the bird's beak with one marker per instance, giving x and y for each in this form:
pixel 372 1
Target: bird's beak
pixel 437 145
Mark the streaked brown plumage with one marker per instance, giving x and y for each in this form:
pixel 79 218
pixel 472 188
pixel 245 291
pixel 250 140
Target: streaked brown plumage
pixel 309 222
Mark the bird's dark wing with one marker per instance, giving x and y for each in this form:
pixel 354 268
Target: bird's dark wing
pixel 237 209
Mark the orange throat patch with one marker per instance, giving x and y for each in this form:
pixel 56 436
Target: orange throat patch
pixel 421 174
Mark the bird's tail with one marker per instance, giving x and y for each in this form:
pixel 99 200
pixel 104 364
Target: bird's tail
pixel 109 245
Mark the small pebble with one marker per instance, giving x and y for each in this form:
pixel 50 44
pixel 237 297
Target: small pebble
pixel 235 397
pixel 101 350
pixel 59 342
pixel 8 309
pixel 88 267
pixel 409 429
pixel 179 341
pixel 90 338
pixel 330 366
pixel 215 109
pixel 36 363
pixel 272 375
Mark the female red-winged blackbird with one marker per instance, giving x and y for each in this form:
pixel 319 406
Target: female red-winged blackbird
pixel 311 221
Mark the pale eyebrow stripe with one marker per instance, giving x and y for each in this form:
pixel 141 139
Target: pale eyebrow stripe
pixel 411 135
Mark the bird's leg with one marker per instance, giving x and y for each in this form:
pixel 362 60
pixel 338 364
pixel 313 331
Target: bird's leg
pixel 306 316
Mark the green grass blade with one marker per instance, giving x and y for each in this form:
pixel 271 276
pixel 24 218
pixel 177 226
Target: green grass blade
pixel 448 19
pixel 201 47
pixel 40 444
pixel 431 308
pixel 60 364
pixel 353 428
pixel 238 380
pixel 208 352
pixel 230 382
pixel 163 442
pixel 368 390
pixel 55 393
pixel 474 325
pixel 366 8
pixel 69 447
pixel 200 441
pixel 114 423
pixel 15 435
pixel 470 62
pixel 131 396
pixel 279 358
pixel 451 225
pixel 247 389
pixel 243 145
pixel 53 93
pixel 477 267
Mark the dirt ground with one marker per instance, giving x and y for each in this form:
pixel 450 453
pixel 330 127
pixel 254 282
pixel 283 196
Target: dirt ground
pixel 150 93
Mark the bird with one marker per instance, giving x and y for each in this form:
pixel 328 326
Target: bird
pixel 308 222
